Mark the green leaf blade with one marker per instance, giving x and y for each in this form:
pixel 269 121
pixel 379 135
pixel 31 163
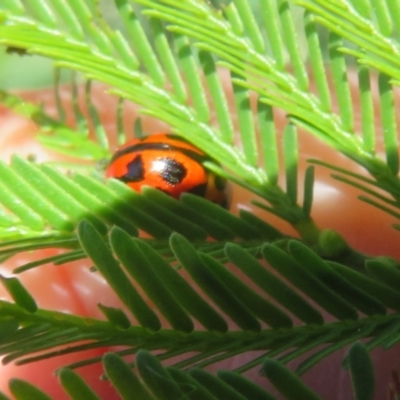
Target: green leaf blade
pixel 183 292
pixel 193 389
pixel 244 386
pixel 124 379
pixel 96 248
pixel 291 159
pixel 19 294
pixel 318 268
pixel 287 382
pixel 218 96
pixel 25 391
pixel 216 212
pixel 75 386
pixel 362 373
pixel 260 307
pixel 303 280
pixel 217 387
pixel 389 123
pixel 213 228
pixel 157 378
pixel 273 286
pixel 138 267
pixel 211 285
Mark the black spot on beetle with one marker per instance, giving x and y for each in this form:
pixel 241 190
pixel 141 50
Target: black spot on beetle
pixel 172 171
pixel 135 171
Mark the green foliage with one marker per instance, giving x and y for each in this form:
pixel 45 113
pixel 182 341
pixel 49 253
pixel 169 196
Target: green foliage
pixel 182 307
pixel 362 373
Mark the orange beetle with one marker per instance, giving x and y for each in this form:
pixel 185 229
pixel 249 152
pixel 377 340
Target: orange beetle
pixel 168 163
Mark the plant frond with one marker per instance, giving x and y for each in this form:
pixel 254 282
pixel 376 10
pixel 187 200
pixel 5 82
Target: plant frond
pixel 311 305
pixel 32 221
pixel 101 62
pixel 23 390
pixel 71 199
pixel 371 29
pixel 75 386
pixel 186 109
pixel 254 70
pixel 389 126
pixel 250 43
pixel 362 372
pixel 150 378
pixel 360 309
pixel 351 21
pixel 259 73
pixel 373 188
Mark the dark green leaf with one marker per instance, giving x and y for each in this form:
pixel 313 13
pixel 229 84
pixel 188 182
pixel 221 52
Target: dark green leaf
pixel 215 386
pixel 3 396
pixel 239 227
pixel 348 338
pixel 385 337
pixel 259 306
pixel 184 294
pixel 193 389
pixel 266 230
pixel 321 270
pixel 107 204
pixel 385 271
pixel 8 327
pixel 96 248
pixel 138 267
pixel 25 391
pixel 211 285
pixel 291 270
pixel 178 223
pixel 291 158
pixel 25 333
pixel 213 228
pixel 19 294
pixel 121 207
pixel 116 316
pixel 286 381
pixel 244 386
pixel 362 374
pixel 124 379
pixel 308 190
pixel 388 296
pixel 156 377
pixel 272 285
pixel 75 386
pixel 159 213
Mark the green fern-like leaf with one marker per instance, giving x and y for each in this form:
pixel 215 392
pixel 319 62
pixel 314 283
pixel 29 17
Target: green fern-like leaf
pixel 198 285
